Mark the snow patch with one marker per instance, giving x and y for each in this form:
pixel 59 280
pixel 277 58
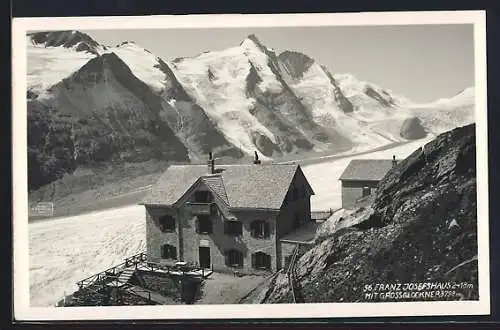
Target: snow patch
pixel 142 63
pixel 48 66
pixel 223 92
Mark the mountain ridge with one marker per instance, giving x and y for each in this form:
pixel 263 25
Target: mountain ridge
pixel 232 101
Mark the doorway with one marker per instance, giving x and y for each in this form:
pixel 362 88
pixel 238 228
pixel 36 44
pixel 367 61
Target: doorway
pixel 204 252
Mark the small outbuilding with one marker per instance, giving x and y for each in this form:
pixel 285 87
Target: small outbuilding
pixel 361 178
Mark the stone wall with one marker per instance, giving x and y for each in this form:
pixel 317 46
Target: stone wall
pixel 155 238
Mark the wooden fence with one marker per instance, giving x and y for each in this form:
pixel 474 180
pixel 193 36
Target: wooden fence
pixel 292 280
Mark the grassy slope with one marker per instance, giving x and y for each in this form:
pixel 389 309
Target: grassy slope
pixel 98 188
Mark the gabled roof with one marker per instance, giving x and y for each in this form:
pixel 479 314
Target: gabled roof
pixel 366 169
pixel 216 184
pixel 261 186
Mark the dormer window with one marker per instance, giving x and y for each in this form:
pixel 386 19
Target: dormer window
pixel 203 196
pixel 167 223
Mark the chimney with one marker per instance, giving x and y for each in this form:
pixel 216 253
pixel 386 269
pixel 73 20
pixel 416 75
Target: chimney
pixel 211 163
pixel 394 161
pixel 256 159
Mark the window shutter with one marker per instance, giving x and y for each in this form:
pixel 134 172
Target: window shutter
pixel 240 258
pixel 226 257
pixel 197 224
pixel 240 228
pixel 174 252
pixel 254 257
pixel 268 261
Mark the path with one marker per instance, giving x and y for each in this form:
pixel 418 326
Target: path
pixel 222 288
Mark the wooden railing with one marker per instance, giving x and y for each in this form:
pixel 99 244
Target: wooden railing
pixel 153 266
pixel 296 294
pixel 113 271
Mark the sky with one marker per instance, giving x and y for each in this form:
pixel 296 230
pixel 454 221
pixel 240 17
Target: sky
pixel 421 62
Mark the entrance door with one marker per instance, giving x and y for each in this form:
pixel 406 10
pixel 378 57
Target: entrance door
pixel 204 257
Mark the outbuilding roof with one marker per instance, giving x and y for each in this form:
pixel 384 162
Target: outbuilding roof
pixel 262 186
pixel 366 169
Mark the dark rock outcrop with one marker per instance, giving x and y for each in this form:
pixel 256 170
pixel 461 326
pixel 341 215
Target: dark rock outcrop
pixel 343 102
pixel 295 63
pixel 67 39
pixel 421 228
pixel 412 129
pixel 384 99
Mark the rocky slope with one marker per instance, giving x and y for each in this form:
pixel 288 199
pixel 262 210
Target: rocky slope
pixel 419 228
pixel 119 104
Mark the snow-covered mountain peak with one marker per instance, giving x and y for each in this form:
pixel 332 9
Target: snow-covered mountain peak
pixel 251 40
pixel 466 97
pixel 295 63
pixel 355 88
pixel 238 99
pixel 468 94
pixel 72 39
pixel 132 45
pixel 146 66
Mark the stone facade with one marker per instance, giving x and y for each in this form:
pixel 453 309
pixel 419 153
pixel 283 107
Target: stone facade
pixel 295 211
pixel 352 191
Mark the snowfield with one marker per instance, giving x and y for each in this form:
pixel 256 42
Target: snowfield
pixel 66 250
pixel 48 66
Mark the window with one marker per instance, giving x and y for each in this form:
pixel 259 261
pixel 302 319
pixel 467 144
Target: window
pixel 233 228
pixel 167 223
pixel 259 229
pixel 303 192
pixel 234 258
pixel 203 196
pixel 168 251
pixel 204 224
pixel 260 260
pixel 295 194
pixel 366 191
